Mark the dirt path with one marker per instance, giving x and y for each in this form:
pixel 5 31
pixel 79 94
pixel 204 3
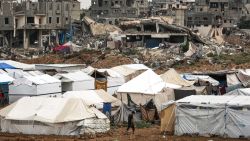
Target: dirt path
pixel 146 134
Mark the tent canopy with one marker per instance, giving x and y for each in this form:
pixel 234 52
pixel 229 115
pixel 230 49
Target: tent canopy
pixel 205 99
pixel 147 83
pixel 49 110
pixel 171 76
pixel 91 96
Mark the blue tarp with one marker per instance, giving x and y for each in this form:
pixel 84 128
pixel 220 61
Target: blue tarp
pixel 6 66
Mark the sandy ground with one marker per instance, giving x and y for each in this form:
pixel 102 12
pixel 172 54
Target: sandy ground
pixel 145 134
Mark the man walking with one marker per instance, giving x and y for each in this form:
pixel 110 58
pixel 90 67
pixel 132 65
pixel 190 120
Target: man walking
pixel 131 123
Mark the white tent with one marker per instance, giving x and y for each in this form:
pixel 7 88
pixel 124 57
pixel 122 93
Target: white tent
pixel 145 87
pixel 59 116
pixel 92 97
pixel 130 71
pixel 76 81
pixel 38 85
pixel 201 114
pixel 237 117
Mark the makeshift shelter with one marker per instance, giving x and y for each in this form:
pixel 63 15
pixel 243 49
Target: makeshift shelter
pixel 145 87
pixel 114 80
pixel 58 116
pixel 237 117
pixel 173 77
pixel 130 71
pixel 201 115
pixel 18 65
pixel 76 81
pixel 38 85
pixel 187 91
pixel 167 116
pixel 242 91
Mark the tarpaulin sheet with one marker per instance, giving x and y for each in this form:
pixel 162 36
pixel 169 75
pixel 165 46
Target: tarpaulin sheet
pixel 6 66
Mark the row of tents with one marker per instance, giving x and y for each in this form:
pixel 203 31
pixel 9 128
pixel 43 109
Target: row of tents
pixel 132 87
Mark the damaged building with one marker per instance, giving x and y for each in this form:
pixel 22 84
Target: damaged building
pixel 151 33
pixel 219 13
pixel 105 9
pixel 174 9
pixel 32 24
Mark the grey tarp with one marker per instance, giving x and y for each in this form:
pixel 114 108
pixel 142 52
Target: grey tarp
pixel 201 114
pixel 237 117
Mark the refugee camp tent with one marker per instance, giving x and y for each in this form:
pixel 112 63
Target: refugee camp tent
pixel 204 78
pixel 130 71
pixel 38 85
pixel 145 87
pixel 58 116
pixel 242 91
pixel 92 97
pixel 173 77
pixel 18 73
pixel 237 117
pixel 76 81
pixel 201 115
pixel 18 65
pixel 187 91
pixel 114 80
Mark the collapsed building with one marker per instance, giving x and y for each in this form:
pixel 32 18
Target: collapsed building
pixel 28 23
pixel 152 33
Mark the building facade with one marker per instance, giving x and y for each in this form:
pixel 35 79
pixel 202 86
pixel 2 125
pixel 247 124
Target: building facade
pixel 28 23
pixel 119 8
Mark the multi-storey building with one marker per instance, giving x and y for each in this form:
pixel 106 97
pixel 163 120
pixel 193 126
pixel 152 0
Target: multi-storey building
pixel 27 23
pixel 225 13
pixel 119 8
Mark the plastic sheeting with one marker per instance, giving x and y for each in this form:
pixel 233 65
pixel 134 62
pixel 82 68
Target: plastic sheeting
pixel 243 91
pixel 213 115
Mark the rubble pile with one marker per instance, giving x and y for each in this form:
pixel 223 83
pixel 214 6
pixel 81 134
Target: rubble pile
pixel 131 43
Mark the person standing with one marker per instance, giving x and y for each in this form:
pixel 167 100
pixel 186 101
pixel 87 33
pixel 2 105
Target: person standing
pixel 131 123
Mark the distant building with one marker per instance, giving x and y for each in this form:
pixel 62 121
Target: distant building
pixel 119 8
